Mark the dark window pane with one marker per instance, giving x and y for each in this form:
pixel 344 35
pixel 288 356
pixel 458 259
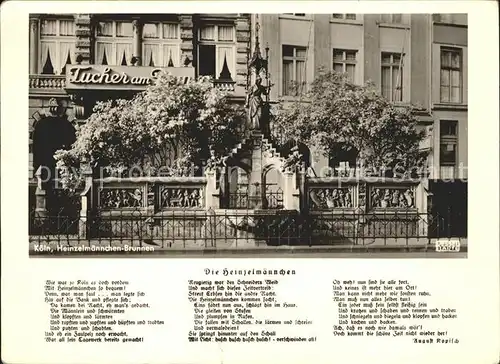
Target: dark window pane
pixel 350 16
pixel 338 55
pixel 448 128
pixel 397 18
pixel 287 51
pixel 350 55
pixel 448 154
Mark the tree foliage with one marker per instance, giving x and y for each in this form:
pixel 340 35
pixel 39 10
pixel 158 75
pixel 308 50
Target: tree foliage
pixel 168 129
pixel 334 111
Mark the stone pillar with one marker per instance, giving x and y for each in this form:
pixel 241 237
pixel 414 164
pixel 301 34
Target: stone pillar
pixel 137 51
pixel 86 201
pixel 211 191
pixel 421 203
pixel 34 24
pixel 242 49
pixel 40 195
pixel 290 191
pixel 187 48
pixel 256 180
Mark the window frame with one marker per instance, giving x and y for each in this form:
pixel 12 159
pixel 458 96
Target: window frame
pixel 345 17
pixel 449 139
pixel 114 39
pixel 344 62
pixel 219 44
pixel 449 69
pixel 294 58
pixel 161 42
pixel 391 66
pixel 391 19
pixel 57 39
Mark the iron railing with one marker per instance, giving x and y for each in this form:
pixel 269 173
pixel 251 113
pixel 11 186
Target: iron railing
pixel 188 229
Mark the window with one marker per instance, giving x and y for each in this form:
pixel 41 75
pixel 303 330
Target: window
pixel 344 16
pixel 392 18
pixel 216 51
pixel 451 75
pixel 114 43
pixel 296 14
pixel 344 61
pixel 294 69
pixel 57 45
pixel 448 148
pixel 392 76
pixel 160 46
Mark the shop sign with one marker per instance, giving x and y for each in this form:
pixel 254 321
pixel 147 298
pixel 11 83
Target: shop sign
pixel 121 77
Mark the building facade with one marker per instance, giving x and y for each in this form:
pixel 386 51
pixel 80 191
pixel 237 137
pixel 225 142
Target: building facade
pixel 418 59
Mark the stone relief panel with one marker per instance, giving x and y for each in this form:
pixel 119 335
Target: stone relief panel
pixel 331 198
pixel 392 197
pixel 180 197
pixel 110 198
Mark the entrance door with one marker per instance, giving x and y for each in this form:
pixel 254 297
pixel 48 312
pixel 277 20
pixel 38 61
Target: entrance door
pixel 51 134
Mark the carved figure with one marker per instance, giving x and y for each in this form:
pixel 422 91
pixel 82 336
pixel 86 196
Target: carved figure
pixel 166 197
pixel 254 103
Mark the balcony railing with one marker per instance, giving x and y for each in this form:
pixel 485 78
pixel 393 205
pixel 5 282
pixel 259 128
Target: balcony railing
pixel 58 82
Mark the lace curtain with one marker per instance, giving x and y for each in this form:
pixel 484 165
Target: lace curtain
pixel 104 53
pixel 48 61
pixel 66 55
pixel 124 54
pixel 170 56
pixel 151 55
pixel 225 54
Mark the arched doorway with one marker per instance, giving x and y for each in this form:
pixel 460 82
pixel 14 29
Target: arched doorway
pixel 238 188
pixel 272 180
pixel 50 134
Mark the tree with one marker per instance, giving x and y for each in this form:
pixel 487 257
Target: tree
pixel 168 129
pixel 334 111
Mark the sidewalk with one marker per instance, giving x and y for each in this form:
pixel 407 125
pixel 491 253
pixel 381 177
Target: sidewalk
pixel 203 247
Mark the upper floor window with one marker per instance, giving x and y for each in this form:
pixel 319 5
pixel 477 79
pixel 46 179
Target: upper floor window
pixel 216 51
pixel 58 45
pixel 294 69
pixel 296 14
pixel 161 44
pixel 392 76
pixel 344 61
pixel 114 41
pixel 392 18
pixel 451 75
pixel 344 16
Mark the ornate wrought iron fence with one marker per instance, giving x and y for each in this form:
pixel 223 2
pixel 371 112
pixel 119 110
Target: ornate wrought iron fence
pixel 188 229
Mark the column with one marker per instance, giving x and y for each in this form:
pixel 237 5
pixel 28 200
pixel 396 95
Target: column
pixel 86 199
pixel 187 47
pixel 40 195
pixel 137 41
pixel 84 38
pixel 33 45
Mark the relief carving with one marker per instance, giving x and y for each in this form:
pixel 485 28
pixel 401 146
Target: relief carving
pixel 392 198
pixel 331 198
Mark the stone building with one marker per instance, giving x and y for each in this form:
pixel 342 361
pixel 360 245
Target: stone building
pixel 187 45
